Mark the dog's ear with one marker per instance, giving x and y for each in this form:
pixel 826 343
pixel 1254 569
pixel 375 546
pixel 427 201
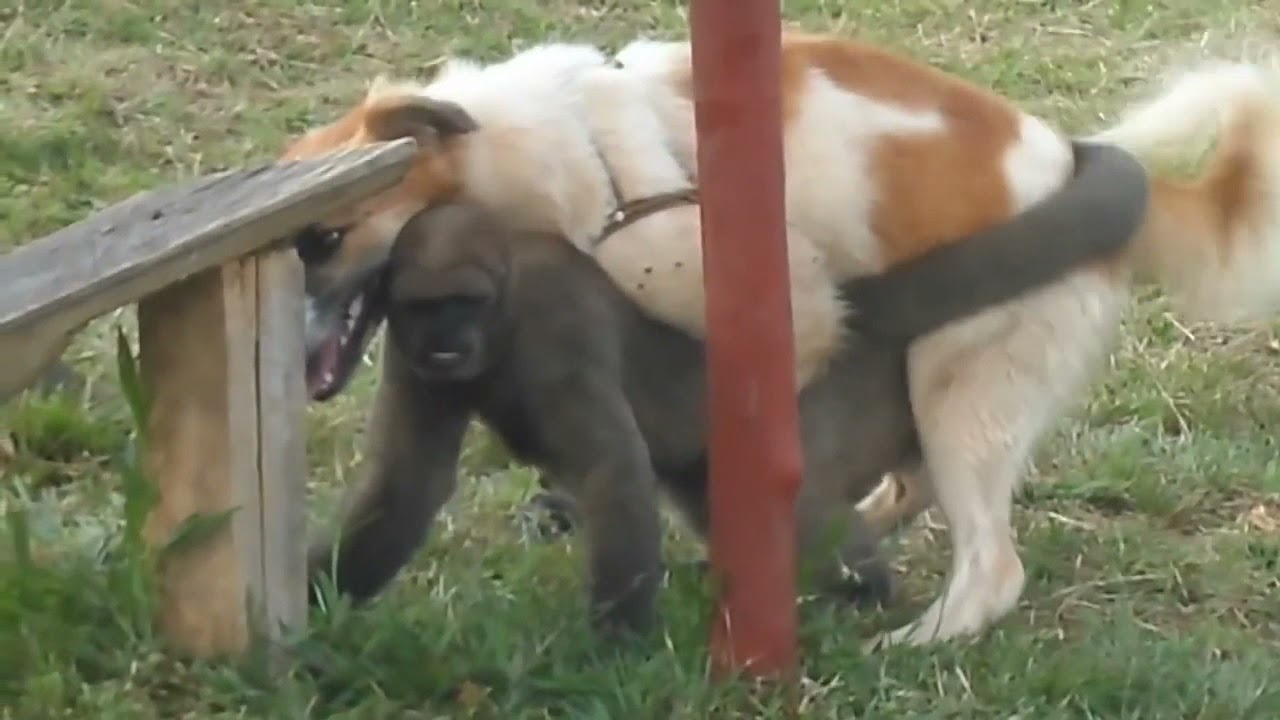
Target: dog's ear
pixel 424 119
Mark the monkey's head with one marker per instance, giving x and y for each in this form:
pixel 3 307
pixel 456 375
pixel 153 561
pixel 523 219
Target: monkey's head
pixel 445 290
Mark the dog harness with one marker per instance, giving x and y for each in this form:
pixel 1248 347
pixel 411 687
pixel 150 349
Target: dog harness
pixel 630 211
pixel 627 212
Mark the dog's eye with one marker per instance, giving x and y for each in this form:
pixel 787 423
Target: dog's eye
pixel 316 244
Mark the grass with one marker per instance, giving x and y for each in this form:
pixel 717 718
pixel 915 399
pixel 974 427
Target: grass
pixel 1150 525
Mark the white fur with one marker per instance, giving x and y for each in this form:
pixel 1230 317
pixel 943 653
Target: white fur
pixel 1038 164
pixel 652 57
pixel 830 192
pixel 656 62
pixel 531 107
pixel 562 102
pixel 1183 117
pixel 1181 122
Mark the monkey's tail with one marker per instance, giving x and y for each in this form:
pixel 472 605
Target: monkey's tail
pixel 1093 217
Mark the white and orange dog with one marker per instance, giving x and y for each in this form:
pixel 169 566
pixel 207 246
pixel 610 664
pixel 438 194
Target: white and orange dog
pixel 885 158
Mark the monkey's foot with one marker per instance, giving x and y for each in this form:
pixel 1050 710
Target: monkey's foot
pixel 549 514
pixel 869 591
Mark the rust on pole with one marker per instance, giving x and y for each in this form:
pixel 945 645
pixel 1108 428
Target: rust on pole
pixel 754 450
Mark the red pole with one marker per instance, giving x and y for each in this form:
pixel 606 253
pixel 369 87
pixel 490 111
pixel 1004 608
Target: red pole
pixel 754 452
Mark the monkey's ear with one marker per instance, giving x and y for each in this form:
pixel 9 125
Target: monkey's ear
pixel 425 119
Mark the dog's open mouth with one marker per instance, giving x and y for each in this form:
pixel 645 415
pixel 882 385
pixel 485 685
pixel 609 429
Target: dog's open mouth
pixel 331 364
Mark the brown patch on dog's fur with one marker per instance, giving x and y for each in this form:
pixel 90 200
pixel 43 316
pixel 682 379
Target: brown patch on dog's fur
pixel 882 75
pixel 1231 183
pixel 957 174
pixel 1219 205
pixel 914 173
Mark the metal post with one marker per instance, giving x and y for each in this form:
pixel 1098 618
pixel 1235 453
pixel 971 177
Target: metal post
pixel 755 458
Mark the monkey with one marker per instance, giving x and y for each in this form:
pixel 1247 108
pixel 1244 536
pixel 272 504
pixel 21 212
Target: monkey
pixel 528 334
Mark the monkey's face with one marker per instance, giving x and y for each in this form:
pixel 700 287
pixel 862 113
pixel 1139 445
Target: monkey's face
pixel 445 338
pixel 445 281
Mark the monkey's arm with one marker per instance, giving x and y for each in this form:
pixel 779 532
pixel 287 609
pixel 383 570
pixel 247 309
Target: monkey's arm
pixel 600 455
pixel 413 441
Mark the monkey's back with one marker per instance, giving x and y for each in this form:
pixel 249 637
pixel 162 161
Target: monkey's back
pixel 855 420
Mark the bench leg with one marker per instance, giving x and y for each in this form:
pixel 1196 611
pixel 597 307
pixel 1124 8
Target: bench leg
pixel 221 358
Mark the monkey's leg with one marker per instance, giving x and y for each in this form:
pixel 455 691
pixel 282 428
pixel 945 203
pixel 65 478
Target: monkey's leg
pixel 553 510
pixel 413 445
pixel 834 543
pixel 844 559
pixel 687 490
pixel 557 513
pixel 603 461
pixel 837 549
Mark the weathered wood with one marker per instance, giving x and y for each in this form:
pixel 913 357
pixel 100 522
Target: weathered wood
pixel 51 287
pixel 282 400
pixel 24 356
pixel 221 357
pixel 195 348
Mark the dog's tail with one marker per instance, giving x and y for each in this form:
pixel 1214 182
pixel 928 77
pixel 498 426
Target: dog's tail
pixel 1212 242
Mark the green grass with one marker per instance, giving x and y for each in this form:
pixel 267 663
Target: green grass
pixel 1150 525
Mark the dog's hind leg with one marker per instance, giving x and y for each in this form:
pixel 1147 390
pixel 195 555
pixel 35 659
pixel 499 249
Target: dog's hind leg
pixel 983 392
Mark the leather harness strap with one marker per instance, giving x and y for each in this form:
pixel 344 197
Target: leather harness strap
pixel 633 210
pixel 629 211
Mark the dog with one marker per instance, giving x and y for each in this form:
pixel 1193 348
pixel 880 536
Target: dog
pixel 526 333
pixel 885 158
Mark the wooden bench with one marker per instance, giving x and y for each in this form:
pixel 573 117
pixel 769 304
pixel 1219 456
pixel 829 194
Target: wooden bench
pixel 220 322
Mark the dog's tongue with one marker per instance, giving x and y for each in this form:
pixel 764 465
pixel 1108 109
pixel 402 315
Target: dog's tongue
pixel 322 365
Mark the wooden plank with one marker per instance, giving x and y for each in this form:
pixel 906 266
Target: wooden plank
pixel 240 323
pixel 51 287
pixel 196 356
pixel 282 464
pixel 25 356
pixel 227 431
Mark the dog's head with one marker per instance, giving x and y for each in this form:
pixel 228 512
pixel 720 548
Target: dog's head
pixel 343 253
